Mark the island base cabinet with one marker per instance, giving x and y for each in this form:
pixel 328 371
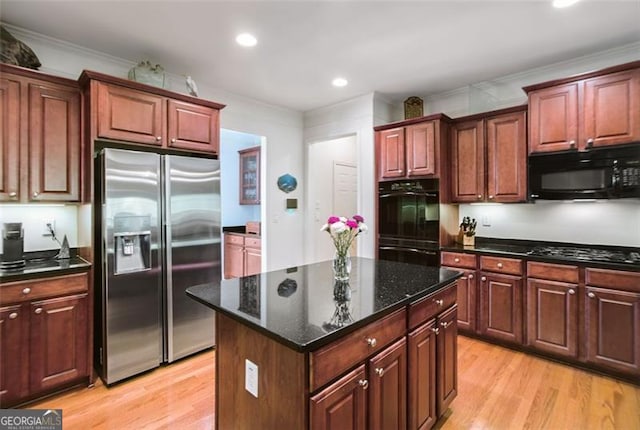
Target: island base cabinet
pixel 342 405
pixel 447 359
pixel 422 377
pixel 388 388
pixel 613 329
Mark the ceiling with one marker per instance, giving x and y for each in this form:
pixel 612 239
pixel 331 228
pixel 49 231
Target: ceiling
pixel 394 48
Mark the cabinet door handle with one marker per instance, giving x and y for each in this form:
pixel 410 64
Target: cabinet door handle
pixel 38 311
pixel 591 295
pixel 470 276
pixel 444 324
pixel 13 315
pixel 372 342
pixel 173 140
pixel 13 194
pixel 457 260
pixel 499 265
pixel 35 194
pixel 479 196
pixel 26 291
pixel 572 143
pixel 484 278
pixel 409 171
pixel 158 138
pixel 439 302
pixel 363 383
pixel 490 197
pixel 379 371
pixel 435 330
pixel 572 291
pixel 590 142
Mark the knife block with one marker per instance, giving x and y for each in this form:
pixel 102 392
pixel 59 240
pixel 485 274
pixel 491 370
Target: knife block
pixel 466 240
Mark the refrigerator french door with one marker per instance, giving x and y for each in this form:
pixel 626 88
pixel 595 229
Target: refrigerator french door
pixel 160 234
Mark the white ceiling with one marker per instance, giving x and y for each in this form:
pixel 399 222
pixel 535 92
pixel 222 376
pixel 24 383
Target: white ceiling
pixel 392 47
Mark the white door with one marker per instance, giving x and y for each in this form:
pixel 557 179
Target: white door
pixel 345 191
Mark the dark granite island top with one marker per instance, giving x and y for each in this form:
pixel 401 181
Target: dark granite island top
pixel 292 345
pixel 297 307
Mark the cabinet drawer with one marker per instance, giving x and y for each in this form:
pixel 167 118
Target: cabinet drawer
pixel 430 306
pixel 629 281
pixel 334 359
pixel 234 238
pixel 251 242
pixel 35 289
pixel 511 266
pixel 458 259
pixel 553 272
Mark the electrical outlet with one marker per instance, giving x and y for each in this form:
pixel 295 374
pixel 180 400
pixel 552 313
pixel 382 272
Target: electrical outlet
pixel 251 377
pixel 486 222
pixel 45 229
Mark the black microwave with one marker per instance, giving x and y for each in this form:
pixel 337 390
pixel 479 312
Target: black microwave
pixel 602 173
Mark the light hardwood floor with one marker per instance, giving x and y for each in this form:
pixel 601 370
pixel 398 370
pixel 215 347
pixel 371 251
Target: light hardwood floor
pixel 498 389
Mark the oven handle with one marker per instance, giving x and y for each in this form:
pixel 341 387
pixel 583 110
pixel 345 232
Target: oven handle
pixel 407 193
pixel 396 248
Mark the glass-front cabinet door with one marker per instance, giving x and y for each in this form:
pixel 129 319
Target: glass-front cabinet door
pixel 250 176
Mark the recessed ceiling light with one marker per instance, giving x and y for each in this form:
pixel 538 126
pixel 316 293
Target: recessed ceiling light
pixel 246 39
pixel 564 3
pixel 339 82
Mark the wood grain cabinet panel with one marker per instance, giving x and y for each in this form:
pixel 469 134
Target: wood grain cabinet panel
pixel 466 299
pixel 507 157
pixel 58 333
pixel 342 405
pixel 388 388
pixel 10 104
pixel 501 307
pixel 420 148
pixel 422 363
pixel 553 118
pixel 193 127
pixel 468 161
pixel 392 155
pixel 13 354
pixel 447 359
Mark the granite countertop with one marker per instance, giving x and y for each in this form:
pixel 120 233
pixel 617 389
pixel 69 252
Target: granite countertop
pixel 526 249
pixel 45 267
pixel 298 307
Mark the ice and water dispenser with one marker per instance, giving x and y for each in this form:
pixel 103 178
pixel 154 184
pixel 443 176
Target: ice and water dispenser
pixel 132 244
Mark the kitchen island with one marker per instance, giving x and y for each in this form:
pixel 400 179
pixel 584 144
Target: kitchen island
pixel 297 350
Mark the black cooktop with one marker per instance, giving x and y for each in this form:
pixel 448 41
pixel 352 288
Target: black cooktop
pixel 587 254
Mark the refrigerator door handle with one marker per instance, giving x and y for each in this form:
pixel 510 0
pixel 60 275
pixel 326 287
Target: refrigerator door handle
pixel 168 260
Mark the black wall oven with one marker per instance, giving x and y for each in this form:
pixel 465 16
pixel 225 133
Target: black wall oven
pixel 409 221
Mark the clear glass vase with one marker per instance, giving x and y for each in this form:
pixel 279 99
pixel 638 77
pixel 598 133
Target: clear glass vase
pixel 341 266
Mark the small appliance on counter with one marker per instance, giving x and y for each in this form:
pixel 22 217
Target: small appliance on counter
pixel 12 246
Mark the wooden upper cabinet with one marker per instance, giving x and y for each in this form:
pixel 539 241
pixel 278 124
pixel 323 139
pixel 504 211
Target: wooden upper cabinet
pixel 130 115
pixel 612 109
pixel 507 157
pixel 54 143
pixel 392 159
pixel 420 149
pixel 593 109
pixel 133 112
pixel 467 158
pixel 193 127
pixel 40 137
pixel 9 138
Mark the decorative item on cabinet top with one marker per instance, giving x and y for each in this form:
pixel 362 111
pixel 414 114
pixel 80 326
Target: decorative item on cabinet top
pixel 413 107
pixel 16 52
pixel 146 73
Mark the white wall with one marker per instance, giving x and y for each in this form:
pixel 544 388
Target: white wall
pixel 233 213
pixel 351 117
pixel 282 129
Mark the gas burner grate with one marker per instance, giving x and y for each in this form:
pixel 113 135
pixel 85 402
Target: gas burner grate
pixel 587 254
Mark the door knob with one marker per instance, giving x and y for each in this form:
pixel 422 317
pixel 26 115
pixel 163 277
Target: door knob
pixel 371 341
pixel 26 291
pixel 13 315
pixel 572 143
pixel 363 383
pixel 173 140
pixel 457 260
pixel 158 138
pixel 470 276
pixel 439 302
pixel 479 196
pixel 35 194
pixel 435 330
pixel 444 324
pixel 484 278
pixel 13 194
pixel 572 291
pixel 379 371
pixel 591 295
pixel 38 311
pixel 499 265
pixel 590 142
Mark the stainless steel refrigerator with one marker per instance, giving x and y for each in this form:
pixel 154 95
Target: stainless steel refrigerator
pixel 158 233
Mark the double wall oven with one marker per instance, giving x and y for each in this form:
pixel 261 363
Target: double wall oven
pixel 409 221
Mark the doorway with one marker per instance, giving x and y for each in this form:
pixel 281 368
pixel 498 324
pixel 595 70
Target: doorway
pixel 332 171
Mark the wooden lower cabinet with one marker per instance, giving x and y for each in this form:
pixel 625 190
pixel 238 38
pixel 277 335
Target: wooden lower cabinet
pixel 446 359
pixel 242 255
pixel 501 307
pixel 44 337
pixel 421 402
pixel 388 388
pixel 343 404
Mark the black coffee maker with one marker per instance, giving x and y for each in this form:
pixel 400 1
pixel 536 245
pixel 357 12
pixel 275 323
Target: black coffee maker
pixel 12 246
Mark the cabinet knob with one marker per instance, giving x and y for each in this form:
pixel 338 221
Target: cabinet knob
pixel 174 140
pixel 35 194
pixel 444 324
pixel 457 260
pixel 379 371
pixel 13 194
pixel 490 197
pixel 409 171
pixel 26 291
pixel 479 196
pixel 435 330
pixel 470 276
pixel 13 315
pixel 484 278
pixel 439 302
pixel 38 311
pixel 572 291
pixel 591 295
pixel 158 138
pixel 572 143
pixel 499 265
pixel 363 383
pixel 590 142
pixel 372 342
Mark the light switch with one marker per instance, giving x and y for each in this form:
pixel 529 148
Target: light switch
pixel 251 377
